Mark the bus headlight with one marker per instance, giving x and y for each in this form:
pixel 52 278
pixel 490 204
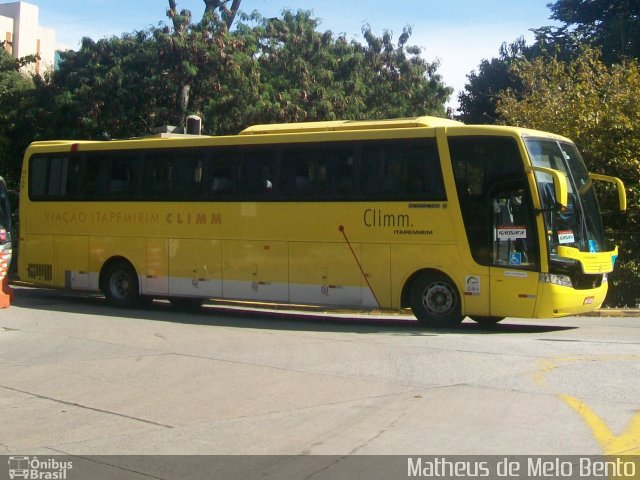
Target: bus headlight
pixel 562 280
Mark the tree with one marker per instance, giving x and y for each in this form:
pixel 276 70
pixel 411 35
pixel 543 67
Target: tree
pixel 228 14
pixel 400 82
pixel 598 106
pixel 15 87
pixel 309 75
pixel 612 25
pixel 185 42
pixel 478 100
pixel 263 70
pixel 266 70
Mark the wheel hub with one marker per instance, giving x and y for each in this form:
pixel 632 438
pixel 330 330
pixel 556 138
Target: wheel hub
pixel 438 299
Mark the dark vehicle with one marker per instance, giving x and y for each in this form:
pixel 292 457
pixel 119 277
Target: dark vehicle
pixel 5 229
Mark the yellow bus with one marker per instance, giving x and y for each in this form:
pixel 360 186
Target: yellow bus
pixel 423 213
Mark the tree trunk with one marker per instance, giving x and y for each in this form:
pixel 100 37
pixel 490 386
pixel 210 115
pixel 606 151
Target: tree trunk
pixel 229 13
pixel 184 100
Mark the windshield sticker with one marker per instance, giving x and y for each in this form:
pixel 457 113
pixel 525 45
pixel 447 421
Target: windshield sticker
pixel 511 233
pixel 472 285
pixel 565 236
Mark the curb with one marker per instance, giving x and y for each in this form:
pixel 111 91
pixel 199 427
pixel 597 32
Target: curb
pixel 613 312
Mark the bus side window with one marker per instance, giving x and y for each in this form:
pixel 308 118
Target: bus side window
pixel 184 184
pixel 56 177
pixel 300 167
pixel 38 172
pixel 403 170
pixel 342 174
pixel 258 174
pixel 126 175
pixel 96 173
pixel 158 176
pixel 222 178
pixel 319 172
pixel 383 171
pixel 74 183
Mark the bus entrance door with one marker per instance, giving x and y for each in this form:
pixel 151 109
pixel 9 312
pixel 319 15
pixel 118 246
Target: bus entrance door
pixel 514 277
pixel 513 292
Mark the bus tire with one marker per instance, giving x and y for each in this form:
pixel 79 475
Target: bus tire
pixel 435 300
pixel 486 321
pixel 120 285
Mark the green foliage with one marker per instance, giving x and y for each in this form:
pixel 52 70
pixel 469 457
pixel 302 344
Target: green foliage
pixel 15 86
pixel 478 100
pixel 611 25
pixel 624 282
pixel 598 106
pixel 308 75
pixel 265 70
pixel 595 105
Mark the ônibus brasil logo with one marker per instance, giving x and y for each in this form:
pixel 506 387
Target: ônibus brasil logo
pixel 34 469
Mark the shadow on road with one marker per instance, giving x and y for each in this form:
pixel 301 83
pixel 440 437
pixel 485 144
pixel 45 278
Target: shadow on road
pixel 241 316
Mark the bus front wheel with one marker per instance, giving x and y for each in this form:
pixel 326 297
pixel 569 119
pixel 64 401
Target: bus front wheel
pixel 120 285
pixel 435 300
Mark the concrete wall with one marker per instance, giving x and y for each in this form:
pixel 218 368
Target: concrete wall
pixel 20 21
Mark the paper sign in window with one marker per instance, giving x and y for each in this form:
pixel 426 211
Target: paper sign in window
pixel 511 233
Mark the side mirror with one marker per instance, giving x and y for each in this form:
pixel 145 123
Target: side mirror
pixel 622 194
pixel 559 184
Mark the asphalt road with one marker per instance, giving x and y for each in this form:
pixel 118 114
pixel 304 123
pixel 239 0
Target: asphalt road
pixel 78 377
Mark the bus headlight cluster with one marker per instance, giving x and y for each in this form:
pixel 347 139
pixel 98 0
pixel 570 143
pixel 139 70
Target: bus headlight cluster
pixel 562 280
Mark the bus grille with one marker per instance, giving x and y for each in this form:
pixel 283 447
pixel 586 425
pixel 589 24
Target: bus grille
pixel 583 281
pixel 40 271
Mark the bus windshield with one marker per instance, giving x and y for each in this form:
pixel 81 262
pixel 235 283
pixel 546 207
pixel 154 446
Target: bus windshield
pixel 579 225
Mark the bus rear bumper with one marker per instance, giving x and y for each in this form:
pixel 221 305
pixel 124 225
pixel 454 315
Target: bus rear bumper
pixel 558 301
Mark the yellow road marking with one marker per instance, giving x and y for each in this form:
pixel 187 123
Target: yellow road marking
pixel 627 442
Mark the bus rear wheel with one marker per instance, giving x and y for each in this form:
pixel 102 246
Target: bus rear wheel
pixel 120 285
pixel 435 300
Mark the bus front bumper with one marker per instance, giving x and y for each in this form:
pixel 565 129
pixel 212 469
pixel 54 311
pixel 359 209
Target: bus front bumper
pixel 559 301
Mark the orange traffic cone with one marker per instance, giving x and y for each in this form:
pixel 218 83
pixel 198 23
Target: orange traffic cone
pixel 6 294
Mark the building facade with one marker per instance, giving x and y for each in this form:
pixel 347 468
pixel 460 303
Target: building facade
pixel 23 36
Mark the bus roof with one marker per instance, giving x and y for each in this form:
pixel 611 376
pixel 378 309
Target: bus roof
pixel 343 125
pixel 256 131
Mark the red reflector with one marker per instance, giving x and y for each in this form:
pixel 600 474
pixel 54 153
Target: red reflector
pixel 588 301
pixel 74 148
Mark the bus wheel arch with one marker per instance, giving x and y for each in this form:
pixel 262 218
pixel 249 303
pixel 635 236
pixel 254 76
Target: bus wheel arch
pixel 120 283
pixel 434 298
